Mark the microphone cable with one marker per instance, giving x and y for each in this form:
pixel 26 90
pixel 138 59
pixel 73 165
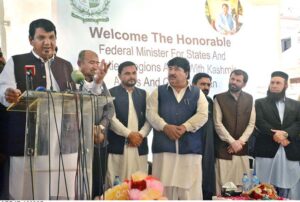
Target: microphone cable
pixel 102 175
pixel 60 159
pixel 29 150
pixel 91 155
pixel 49 145
pixel 80 181
pixel 84 165
pixel 98 148
pixel 77 175
pixel 105 150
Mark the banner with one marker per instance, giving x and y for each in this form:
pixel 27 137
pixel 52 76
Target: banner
pixel 150 33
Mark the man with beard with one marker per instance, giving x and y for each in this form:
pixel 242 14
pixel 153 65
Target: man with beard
pixel 203 81
pixel 234 118
pixel 177 111
pixel 127 137
pixel 94 73
pixel 277 147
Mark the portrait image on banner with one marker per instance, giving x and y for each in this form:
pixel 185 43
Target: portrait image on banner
pixel 225 16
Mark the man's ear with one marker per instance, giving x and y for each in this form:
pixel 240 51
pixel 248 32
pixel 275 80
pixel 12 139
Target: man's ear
pixel 30 40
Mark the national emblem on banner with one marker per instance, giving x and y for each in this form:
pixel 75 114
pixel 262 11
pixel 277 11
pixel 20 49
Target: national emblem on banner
pixel 90 10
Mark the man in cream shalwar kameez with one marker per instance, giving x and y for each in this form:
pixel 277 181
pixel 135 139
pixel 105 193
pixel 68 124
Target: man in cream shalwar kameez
pixel 234 118
pixel 128 132
pixel 177 111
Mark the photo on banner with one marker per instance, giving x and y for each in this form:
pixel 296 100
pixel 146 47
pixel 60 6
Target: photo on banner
pixel 224 16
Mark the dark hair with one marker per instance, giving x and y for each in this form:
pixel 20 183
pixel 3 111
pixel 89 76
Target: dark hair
pixel 180 62
pixel 281 74
pixel 240 72
pixel 125 64
pixel 47 25
pixel 199 76
pixel 226 5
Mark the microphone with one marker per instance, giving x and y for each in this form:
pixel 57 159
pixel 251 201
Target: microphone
pixel 77 77
pixel 30 70
pixel 40 88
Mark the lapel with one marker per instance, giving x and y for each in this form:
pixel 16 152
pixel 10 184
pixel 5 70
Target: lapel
pixel 287 110
pixel 60 73
pixel 274 110
pixel 56 72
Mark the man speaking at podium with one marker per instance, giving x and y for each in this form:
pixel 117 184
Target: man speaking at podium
pixel 51 72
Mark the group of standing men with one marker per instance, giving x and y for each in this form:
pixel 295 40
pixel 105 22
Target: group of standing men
pixel 189 129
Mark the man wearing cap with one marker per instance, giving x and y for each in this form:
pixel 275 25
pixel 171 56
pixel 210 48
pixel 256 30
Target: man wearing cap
pixel 177 111
pixel 277 147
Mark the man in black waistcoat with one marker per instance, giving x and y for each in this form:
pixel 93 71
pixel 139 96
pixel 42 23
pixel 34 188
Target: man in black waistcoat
pixel 129 128
pixel 51 72
pixel 203 81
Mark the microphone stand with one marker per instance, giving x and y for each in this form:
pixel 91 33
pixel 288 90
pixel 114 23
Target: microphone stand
pixel 82 184
pixel 29 149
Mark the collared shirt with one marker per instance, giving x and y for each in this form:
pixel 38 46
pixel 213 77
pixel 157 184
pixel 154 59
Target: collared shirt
pixel 280 106
pixel 192 124
pixel 8 80
pixel 186 169
pixel 124 131
pixel 222 131
pixel 92 87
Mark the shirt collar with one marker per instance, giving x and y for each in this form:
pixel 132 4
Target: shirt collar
pixel 282 100
pixel 126 89
pixel 189 86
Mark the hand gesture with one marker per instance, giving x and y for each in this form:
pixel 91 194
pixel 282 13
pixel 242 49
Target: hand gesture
pixel 12 95
pixel 101 71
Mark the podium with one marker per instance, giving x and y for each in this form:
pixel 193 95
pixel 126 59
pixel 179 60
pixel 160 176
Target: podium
pixel 58 156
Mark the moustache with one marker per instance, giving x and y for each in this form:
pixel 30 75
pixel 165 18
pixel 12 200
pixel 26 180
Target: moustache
pixel 172 77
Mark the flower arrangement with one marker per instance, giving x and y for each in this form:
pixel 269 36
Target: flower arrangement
pixel 139 187
pixel 263 191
